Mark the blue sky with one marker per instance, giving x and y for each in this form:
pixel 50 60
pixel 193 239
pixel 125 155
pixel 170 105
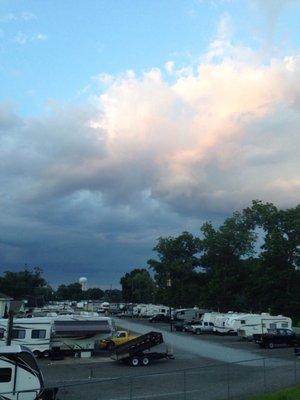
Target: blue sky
pixel 52 49
pixel 121 121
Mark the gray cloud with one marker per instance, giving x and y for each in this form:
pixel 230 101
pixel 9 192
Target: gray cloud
pixel 89 189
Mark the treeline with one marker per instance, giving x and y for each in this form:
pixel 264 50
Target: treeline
pixel 249 263
pixel 30 284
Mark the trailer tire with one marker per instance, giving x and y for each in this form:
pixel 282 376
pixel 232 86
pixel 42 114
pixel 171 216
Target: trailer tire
pixel 198 331
pixel 271 345
pixel 135 361
pixel 145 361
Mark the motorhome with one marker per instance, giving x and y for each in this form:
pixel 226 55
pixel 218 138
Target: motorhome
pixel 249 324
pixel 35 333
pixel 20 376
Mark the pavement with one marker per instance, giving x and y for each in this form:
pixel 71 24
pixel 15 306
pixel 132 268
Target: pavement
pixel 206 367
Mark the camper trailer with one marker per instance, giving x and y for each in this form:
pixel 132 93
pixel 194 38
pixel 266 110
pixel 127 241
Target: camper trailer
pixel 80 332
pixel 249 324
pixel 223 323
pixel 20 375
pixel 35 333
pixel 187 314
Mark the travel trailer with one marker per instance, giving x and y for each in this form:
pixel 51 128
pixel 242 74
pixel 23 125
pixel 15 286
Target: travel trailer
pixel 210 317
pixel 223 323
pixel 20 374
pixel 80 332
pixel 249 324
pixel 187 314
pixel 35 333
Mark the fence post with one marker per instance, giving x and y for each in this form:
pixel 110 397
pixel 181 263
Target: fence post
pixel 184 384
pixel 228 384
pixel 264 372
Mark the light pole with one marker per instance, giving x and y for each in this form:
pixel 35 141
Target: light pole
pixel 169 285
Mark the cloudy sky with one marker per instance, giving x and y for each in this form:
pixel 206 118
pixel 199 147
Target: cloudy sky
pixel 125 120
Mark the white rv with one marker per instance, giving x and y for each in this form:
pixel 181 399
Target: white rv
pixel 223 323
pixel 80 332
pixel 35 333
pixel 210 317
pixel 187 314
pixel 20 377
pixel 248 324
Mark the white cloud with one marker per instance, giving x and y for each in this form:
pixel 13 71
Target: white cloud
pixel 41 37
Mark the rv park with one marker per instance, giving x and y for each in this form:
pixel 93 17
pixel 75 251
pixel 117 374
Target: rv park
pixel 211 354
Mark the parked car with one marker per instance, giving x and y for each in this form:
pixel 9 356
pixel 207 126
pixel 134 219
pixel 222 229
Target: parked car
pixel 277 338
pixel 160 318
pixel 202 327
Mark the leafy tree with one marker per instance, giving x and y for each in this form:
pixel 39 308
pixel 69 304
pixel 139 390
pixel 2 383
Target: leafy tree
pixel 93 294
pixel 175 274
pixel 138 286
pixel 223 253
pixel 22 284
pixel 113 295
pixel 70 292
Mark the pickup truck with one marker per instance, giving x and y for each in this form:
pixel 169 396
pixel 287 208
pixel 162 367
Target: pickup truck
pixel 277 338
pixel 121 337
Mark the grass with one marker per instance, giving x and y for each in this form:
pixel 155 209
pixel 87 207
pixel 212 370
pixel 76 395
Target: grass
pixel 292 393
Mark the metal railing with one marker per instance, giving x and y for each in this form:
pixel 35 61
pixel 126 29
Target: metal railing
pixel 222 381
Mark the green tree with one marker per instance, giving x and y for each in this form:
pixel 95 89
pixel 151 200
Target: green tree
pixel 22 284
pixel 175 269
pixel 70 292
pixel 138 286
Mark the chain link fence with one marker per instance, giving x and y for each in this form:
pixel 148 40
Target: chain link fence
pixel 226 381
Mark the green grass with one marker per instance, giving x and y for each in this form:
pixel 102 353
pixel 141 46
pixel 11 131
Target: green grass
pixel 292 393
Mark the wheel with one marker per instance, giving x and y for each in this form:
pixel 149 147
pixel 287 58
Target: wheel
pixel 198 331
pixel 145 361
pixel 135 361
pixel 271 345
pixel 36 353
pixel 110 346
pixel 46 354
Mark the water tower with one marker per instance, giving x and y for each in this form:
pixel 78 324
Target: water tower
pixel 83 283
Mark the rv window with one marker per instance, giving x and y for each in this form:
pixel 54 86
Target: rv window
pixel 1 333
pixel 243 322
pixel 38 334
pixel 273 326
pixel 205 323
pixel 5 374
pixel 284 325
pixel 163 310
pixel 18 334
pixel 211 324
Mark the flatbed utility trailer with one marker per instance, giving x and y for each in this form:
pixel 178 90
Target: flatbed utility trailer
pixel 137 352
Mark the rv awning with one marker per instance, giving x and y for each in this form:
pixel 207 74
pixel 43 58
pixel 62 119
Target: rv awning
pixel 86 326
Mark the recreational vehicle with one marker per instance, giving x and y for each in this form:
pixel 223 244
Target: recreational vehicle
pixel 35 333
pixel 80 332
pixel 223 323
pixel 250 324
pixel 187 314
pixel 20 377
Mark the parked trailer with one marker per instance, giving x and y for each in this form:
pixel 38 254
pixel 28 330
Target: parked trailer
pixel 21 377
pixel 34 333
pixel 137 352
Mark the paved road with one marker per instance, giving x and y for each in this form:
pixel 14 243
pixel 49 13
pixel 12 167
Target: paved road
pixel 208 377
pixel 204 348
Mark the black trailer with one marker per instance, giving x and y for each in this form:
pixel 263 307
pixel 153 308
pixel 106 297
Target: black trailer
pixel 137 352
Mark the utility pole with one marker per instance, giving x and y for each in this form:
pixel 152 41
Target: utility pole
pixel 10 323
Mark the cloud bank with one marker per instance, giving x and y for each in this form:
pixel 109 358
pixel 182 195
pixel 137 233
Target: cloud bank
pixel 152 154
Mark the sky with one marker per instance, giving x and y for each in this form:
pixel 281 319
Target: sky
pixel 123 121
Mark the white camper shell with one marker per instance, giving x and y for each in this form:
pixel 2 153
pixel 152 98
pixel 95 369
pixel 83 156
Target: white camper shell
pixel 250 324
pixel 34 333
pixel 20 377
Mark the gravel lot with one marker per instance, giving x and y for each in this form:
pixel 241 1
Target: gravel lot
pixel 212 374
